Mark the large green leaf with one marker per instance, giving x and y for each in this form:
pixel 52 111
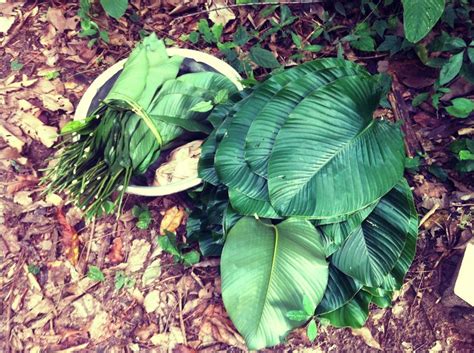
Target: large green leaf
pixel 331 157
pixel 394 280
pixel 231 165
pixel 340 290
pixel 420 16
pixel 266 272
pixel 229 160
pixel 353 314
pixel 265 127
pixel 373 249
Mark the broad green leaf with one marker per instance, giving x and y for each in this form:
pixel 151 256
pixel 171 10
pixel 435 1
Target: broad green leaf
pixel 353 314
pixel 461 107
pixel 241 37
pixel 266 272
pixel 230 162
pixel 144 216
pixel 340 290
pixel 364 43
pixel 321 169
pixel 168 243
pixel 312 330
pixel 313 48
pixel 191 258
pixel 373 249
pixel 451 69
pixel 420 98
pixel 263 57
pixel 470 54
pixel 394 280
pixel 95 274
pixel 221 96
pixel 267 124
pixel 115 8
pixel 420 16
pixel 203 27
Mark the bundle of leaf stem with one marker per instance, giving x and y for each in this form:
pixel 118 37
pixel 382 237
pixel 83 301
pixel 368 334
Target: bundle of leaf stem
pixel 147 108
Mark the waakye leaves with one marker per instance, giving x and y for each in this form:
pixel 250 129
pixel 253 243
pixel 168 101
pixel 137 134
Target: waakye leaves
pixel 148 107
pixel 312 204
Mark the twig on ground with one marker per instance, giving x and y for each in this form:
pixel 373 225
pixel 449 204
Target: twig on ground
pixel 181 321
pixel 429 214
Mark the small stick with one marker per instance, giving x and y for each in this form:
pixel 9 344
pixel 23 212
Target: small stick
pixel 91 236
pixel 181 321
pixel 429 214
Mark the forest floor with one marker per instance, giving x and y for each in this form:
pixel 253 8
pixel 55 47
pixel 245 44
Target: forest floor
pixel 146 301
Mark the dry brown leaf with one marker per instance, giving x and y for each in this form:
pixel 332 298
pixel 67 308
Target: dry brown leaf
pixel 222 16
pixel 56 18
pixel 55 102
pixel 115 254
pixel 172 219
pixel 9 86
pixel 35 128
pixel 23 198
pixel 138 255
pixel 99 328
pixel 5 23
pixel 366 335
pixel 152 301
pixel 143 333
pixel 70 239
pixel 22 182
pixel 216 326
pixel 9 153
pixel 168 339
pixel 10 138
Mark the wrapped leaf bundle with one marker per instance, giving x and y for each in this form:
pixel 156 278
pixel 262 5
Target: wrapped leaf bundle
pixel 147 108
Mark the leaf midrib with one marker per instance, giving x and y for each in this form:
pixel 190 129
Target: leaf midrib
pixel 274 255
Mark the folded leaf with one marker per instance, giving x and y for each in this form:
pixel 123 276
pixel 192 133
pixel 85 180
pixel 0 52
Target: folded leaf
pixel 373 249
pixel 340 290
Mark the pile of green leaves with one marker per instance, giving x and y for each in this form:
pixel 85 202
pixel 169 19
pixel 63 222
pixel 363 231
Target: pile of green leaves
pixel 310 202
pixel 147 108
